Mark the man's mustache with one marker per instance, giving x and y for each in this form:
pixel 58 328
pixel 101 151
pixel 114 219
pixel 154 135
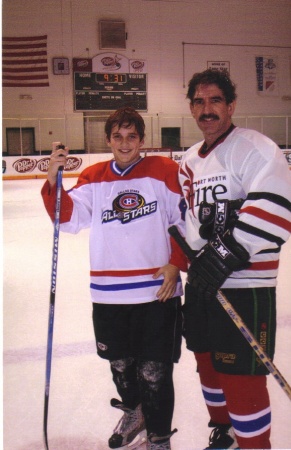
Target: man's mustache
pixel 208 116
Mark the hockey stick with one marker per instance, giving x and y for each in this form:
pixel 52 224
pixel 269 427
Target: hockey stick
pixel 174 232
pixel 52 304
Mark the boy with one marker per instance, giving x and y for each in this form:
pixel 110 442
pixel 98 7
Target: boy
pixel 129 204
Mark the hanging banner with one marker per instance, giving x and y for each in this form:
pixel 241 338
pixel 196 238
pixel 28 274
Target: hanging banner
pixel 267 75
pixel 24 61
pixel 110 62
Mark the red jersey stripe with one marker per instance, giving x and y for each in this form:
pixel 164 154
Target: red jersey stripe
pixel 268 217
pixel 123 273
pixel 264 265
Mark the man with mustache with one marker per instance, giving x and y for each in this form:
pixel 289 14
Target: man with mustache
pixel 237 188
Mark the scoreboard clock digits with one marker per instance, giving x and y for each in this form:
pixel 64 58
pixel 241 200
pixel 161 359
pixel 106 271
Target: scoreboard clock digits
pixel 111 77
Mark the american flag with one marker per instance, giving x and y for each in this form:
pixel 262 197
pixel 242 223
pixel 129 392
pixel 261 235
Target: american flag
pixel 24 61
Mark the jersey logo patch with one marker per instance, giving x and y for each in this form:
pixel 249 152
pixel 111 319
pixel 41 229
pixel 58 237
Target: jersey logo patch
pixel 128 206
pixel 128 202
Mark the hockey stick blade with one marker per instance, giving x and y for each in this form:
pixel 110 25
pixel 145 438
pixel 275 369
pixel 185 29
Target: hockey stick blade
pixel 174 232
pixel 52 304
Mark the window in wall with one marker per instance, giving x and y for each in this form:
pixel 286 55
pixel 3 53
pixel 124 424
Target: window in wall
pixel 20 141
pixel 171 137
pixel 94 134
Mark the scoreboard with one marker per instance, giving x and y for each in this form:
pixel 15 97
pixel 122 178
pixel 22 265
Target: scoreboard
pixel 109 91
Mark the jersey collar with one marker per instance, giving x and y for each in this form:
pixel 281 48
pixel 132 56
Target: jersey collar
pixel 204 150
pixel 122 172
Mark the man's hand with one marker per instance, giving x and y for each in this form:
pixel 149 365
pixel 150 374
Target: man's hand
pixel 57 159
pixel 168 288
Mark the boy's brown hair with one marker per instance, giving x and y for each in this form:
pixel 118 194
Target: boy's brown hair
pixel 125 117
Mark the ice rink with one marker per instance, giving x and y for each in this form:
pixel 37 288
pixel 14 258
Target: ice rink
pixel 80 415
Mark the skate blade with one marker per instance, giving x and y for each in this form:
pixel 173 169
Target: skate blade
pixel 139 442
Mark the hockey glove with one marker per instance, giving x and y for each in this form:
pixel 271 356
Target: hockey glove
pixel 216 218
pixel 214 263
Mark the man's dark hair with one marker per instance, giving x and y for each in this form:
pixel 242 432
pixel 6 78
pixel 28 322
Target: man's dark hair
pixel 125 117
pixel 213 76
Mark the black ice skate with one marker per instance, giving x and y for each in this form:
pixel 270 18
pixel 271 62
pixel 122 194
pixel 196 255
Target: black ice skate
pixel 222 437
pixel 130 425
pixel 155 442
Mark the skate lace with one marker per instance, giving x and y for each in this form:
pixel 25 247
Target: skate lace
pixel 129 421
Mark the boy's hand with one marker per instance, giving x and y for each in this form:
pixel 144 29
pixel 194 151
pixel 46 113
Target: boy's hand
pixel 168 288
pixel 57 160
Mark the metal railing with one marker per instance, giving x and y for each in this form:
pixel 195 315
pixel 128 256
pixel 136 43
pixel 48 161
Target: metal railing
pixel 85 134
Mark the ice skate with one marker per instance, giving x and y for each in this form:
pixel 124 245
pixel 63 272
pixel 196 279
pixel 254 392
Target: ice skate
pixel 139 442
pixel 128 427
pixel 222 437
pixel 159 442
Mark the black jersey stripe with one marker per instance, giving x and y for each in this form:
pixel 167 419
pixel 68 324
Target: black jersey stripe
pixel 270 250
pixel 274 198
pixel 258 232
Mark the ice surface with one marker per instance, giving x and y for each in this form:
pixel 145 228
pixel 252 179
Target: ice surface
pixel 80 415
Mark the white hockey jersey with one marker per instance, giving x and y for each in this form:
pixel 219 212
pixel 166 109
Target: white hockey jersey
pixel 242 164
pixel 128 213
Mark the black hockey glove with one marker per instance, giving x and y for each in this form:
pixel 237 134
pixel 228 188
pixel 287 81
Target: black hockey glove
pixel 215 262
pixel 216 218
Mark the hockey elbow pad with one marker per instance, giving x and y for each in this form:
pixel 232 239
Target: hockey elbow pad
pixel 213 264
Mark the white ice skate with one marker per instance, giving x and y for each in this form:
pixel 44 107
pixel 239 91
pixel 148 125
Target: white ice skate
pixel 128 428
pixel 160 442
